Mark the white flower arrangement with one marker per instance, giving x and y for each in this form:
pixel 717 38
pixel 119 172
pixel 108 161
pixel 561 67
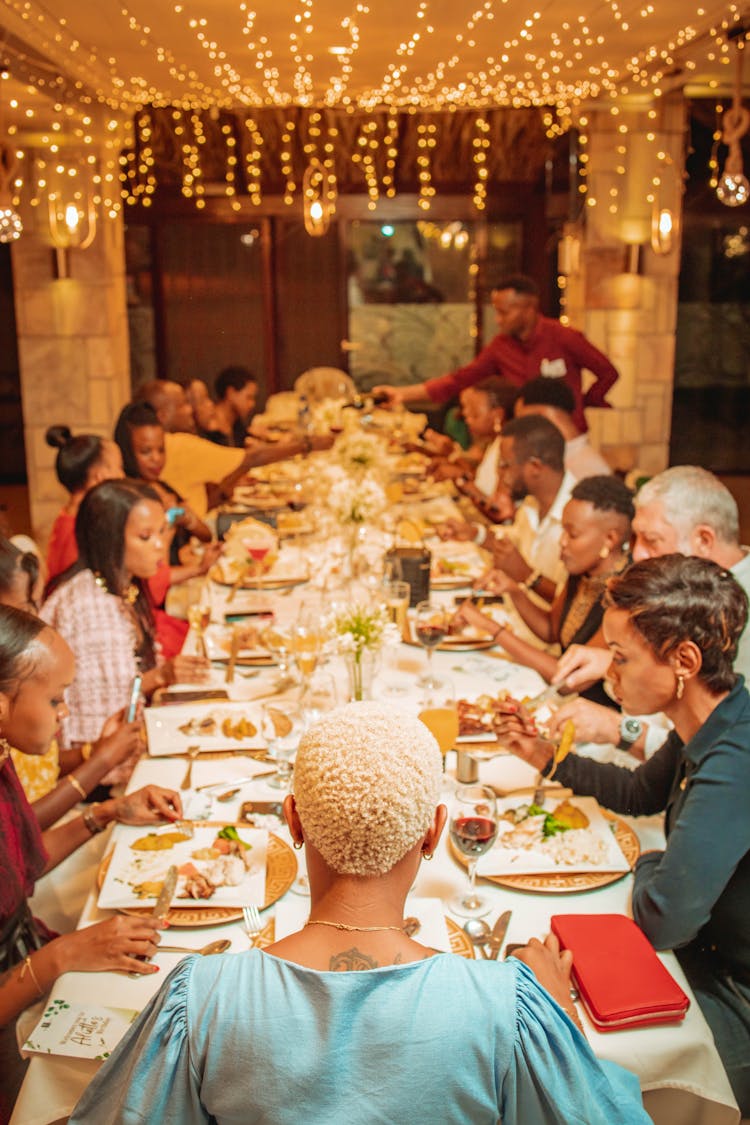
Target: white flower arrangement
pixel 359 626
pixel 358 452
pixel 356 501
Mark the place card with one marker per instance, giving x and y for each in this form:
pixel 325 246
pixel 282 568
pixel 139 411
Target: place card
pixel 79 1031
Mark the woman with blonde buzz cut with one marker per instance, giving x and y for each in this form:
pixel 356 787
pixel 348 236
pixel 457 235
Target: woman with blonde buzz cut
pixel 349 1019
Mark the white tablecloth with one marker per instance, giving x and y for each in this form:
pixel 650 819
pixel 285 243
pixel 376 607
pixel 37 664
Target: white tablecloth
pixel 680 1073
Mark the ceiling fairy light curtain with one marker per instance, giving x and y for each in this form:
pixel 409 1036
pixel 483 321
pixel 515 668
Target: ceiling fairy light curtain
pixel 231 153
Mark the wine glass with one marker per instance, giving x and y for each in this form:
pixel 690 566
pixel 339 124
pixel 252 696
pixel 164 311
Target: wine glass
pixel 199 618
pixel 282 726
pixel 279 642
pixel 473 830
pixel 397 604
pixel 431 625
pixel 306 641
pixel 257 553
pixel 439 714
pixel 319 695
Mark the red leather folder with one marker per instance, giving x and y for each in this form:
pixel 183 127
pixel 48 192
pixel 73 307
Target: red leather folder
pixel 621 981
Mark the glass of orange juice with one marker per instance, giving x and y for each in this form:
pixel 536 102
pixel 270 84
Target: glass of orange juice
pixel 439 713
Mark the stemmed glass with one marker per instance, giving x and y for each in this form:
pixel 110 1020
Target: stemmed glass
pixel 431 625
pixel 306 642
pixel 319 695
pixel 199 618
pixel 257 553
pixel 439 714
pixel 279 642
pixel 473 830
pixel 282 730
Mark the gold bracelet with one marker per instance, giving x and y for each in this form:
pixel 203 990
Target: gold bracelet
pixel 27 966
pixel 89 819
pixel 76 785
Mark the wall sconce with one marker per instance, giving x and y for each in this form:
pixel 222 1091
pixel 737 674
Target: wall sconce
pixel 319 193
pixel 662 229
pixel 733 188
pixel 72 227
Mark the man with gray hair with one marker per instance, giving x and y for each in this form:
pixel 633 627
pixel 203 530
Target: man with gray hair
pixel 684 510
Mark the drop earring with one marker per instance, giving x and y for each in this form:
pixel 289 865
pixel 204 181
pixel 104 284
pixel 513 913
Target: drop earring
pixel 680 685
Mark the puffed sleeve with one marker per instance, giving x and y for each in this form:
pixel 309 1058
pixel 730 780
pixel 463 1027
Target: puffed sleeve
pixel 555 1076
pixel 149 1076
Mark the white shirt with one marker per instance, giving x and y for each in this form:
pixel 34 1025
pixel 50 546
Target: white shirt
pixel 537 539
pixel 485 477
pixel 582 460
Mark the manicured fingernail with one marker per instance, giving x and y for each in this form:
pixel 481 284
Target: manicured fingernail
pixel 154 968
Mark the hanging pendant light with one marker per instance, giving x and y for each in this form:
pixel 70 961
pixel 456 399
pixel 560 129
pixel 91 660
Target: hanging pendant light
pixel 319 192
pixel 733 188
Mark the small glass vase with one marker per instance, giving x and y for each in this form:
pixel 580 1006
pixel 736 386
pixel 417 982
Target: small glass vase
pixel 361 668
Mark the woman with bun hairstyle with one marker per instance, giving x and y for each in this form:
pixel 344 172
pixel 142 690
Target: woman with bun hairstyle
pixel 82 461
pixel 101 608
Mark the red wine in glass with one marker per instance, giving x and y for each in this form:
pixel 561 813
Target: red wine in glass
pixel 430 635
pixel 473 835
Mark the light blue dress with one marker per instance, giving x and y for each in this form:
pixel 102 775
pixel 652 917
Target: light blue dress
pixel 251 1038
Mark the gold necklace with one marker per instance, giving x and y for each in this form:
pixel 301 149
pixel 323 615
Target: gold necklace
pixel 351 929
pixel 128 595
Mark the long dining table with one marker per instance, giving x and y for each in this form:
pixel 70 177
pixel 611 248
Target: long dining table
pixel 681 1076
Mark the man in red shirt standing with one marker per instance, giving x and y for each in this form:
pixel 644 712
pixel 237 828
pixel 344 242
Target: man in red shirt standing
pixel 527 346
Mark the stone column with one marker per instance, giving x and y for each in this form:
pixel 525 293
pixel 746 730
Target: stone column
pixel 72 349
pixel 624 297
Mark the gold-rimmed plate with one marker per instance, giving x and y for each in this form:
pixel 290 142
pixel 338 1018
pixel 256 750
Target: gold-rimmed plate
pixel 568 882
pixel 459 644
pixel 264 582
pixel 281 871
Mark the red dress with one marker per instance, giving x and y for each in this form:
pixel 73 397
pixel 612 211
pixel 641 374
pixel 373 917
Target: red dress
pixel 63 549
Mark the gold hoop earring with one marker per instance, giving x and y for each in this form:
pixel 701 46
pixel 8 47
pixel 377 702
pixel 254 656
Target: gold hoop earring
pixel 427 856
pixel 297 844
pixel 680 685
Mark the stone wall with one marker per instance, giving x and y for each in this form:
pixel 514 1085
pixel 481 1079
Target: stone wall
pixel 625 295
pixel 72 350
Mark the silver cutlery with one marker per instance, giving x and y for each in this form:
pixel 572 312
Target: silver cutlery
pixel 192 753
pixel 497 937
pixel 252 923
pixel 478 933
pixel 219 946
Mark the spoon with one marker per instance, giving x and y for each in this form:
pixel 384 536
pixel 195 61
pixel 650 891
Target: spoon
pixel 213 947
pixel 478 933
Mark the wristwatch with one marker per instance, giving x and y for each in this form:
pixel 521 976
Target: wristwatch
pixel 630 732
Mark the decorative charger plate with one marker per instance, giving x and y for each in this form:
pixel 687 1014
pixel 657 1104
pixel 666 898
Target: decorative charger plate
pixel 265 582
pixel 567 882
pixel 459 644
pixel 281 871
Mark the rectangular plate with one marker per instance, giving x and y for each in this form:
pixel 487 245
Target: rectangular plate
pixel 127 866
pixel 506 861
pixel 165 737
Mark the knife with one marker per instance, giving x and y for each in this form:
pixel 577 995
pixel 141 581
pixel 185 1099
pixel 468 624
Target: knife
pixel 497 937
pixel 161 909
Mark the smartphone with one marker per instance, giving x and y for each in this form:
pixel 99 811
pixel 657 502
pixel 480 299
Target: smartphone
pixel 135 695
pixel 172 515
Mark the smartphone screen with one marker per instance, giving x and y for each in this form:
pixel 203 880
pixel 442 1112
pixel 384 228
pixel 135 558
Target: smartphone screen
pixel 135 695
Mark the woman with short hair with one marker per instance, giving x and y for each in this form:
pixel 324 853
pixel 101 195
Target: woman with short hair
pixel 672 625
pixel 349 1019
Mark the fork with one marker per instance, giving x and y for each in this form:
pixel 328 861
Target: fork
pixel 192 753
pixel 253 924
